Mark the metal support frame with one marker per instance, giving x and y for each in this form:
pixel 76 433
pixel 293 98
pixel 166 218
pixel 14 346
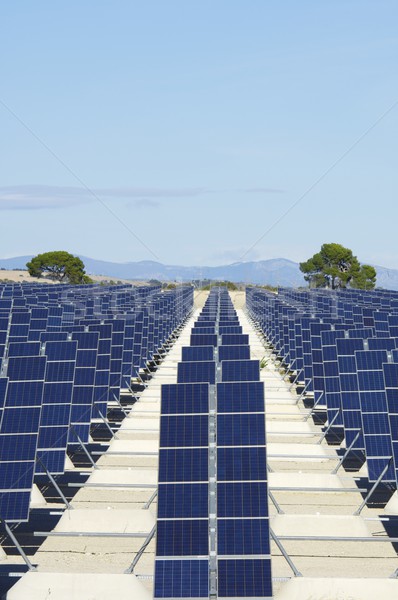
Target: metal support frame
pixel 284 554
pixel 55 484
pixel 304 391
pixel 106 423
pixel 346 453
pixel 94 534
pixel 373 488
pixel 279 510
pixel 312 411
pixel 126 414
pixel 18 546
pixel 328 428
pixel 140 552
pixel 151 499
pixel 86 452
pixel 289 369
pixel 295 379
pixel 333 538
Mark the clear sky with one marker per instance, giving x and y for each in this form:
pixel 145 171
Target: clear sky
pixel 183 130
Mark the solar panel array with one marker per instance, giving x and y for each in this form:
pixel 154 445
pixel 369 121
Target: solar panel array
pixel 342 345
pixel 65 352
pixel 213 536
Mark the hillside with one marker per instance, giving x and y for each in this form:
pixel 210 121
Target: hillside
pixel 278 272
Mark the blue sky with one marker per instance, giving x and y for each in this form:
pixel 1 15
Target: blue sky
pixel 186 131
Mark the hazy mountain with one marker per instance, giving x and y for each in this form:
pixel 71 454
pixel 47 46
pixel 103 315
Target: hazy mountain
pixel 278 271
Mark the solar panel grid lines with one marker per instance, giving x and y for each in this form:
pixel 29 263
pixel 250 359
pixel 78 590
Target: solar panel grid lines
pixel 20 420
pixel 374 413
pixel 57 403
pixel 224 487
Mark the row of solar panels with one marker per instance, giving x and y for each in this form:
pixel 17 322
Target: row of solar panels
pixel 351 368
pixel 52 389
pixel 213 529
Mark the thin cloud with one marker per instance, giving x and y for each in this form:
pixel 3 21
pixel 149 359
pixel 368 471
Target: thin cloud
pixel 35 197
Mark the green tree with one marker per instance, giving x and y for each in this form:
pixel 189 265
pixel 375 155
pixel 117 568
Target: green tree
pixel 59 266
pixel 335 266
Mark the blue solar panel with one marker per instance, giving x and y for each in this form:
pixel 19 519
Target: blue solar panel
pixel 83 385
pixel 197 353
pixel 230 329
pixel 203 331
pixel 233 353
pixel 239 464
pixel 181 579
pixel 24 349
pixel 186 462
pixel 240 370
pixel 350 402
pixel 184 431
pixel 56 411
pixel 240 397
pixel 196 372
pixel 232 339
pixel 204 340
pixel 187 465
pixel 240 429
pixel 180 500
pixel 182 538
pixel 19 430
pixel 244 578
pixel 374 413
pixel 243 537
pixel 248 499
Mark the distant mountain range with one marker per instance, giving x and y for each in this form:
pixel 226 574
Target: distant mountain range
pixel 278 271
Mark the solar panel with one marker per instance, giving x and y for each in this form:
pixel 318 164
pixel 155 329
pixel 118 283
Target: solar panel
pixel 350 403
pixel 231 339
pixel 240 370
pixel 233 353
pixel 181 579
pixel 56 410
pixel 374 413
pixel 19 433
pixel 244 578
pixel 185 398
pixel 196 372
pixel 204 340
pixel 193 441
pixel 240 397
pixel 197 353
pixel 83 385
pixel 390 372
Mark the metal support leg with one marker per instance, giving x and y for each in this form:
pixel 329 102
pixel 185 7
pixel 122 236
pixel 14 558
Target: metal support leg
pixel 275 503
pixel 106 423
pixel 295 380
pixel 86 452
pixel 55 484
pixel 384 471
pixel 270 469
pixel 136 398
pixel 304 390
pixel 346 453
pixel 120 404
pixel 289 369
pixel 328 428
pixel 151 499
pixel 312 411
pixel 18 547
pixel 140 552
pixel 285 554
